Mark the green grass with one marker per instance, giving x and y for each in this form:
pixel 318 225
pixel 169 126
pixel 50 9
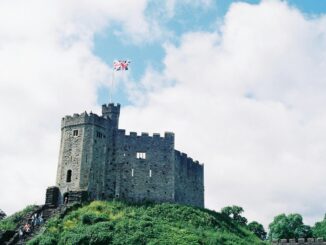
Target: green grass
pixel 162 224
pixel 11 222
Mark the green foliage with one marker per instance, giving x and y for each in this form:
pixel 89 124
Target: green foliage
pixel 11 222
pixel 287 227
pixel 234 212
pixel 319 229
pixel 2 215
pixel 119 223
pixel 257 229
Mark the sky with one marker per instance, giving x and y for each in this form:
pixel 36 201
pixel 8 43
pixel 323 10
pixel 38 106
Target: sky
pixel 241 83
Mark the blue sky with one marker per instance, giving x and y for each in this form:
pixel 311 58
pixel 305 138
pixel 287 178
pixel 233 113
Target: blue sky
pixel 108 45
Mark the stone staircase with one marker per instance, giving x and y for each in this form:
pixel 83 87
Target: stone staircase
pixel 13 237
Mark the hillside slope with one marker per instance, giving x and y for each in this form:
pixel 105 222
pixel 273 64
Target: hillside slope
pixel 120 223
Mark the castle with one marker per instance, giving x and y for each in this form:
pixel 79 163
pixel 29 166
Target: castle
pixel 99 161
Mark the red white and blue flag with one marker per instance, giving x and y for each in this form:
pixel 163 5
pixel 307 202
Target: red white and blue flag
pixel 121 65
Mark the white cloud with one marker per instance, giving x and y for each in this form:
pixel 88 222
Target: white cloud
pixel 248 102
pixel 47 70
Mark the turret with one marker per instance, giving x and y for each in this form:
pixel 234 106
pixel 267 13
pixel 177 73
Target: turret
pixel 112 112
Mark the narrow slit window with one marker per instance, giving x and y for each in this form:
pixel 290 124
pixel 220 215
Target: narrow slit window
pixel 132 172
pixel 69 172
pixel 75 132
pixel 141 155
pixel 150 173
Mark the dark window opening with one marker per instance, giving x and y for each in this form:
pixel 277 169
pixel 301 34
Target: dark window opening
pixel 75 132
pixel 99 135
pixel 69 172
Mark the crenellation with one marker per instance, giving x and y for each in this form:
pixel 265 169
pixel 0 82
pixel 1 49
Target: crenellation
pixel 99 158
pixel 156 135
pixel 83 118
pixel 132 134
pixel 122 132
pixel 303 241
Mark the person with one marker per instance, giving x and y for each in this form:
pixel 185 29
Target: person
pixel 20 233
pixel 40 220
pixel 34 219
pixel 27 228
pixel 66 201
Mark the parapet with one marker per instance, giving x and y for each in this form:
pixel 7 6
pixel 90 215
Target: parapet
pixel 303 241
pixel 83 118
pixel 156 136
pixel 110 108
pixel 184 159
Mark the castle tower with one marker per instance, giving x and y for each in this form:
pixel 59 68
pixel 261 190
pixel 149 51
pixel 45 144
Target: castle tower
pixel 85 140
pixel 111 112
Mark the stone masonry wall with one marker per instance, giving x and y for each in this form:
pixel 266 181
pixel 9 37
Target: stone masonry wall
pixel 84 154
pixel 70 158
pixel 189 180
pixel 94 161
pixel 149 179
pixel 309 241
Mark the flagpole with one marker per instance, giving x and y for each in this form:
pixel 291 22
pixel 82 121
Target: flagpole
pixel 112 82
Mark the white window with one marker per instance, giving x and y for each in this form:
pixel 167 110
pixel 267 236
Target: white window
pixel 150 173
pixel 132 172
pixel 141 155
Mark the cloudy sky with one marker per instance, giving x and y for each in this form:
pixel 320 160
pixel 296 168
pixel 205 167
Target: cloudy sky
pixel 241 83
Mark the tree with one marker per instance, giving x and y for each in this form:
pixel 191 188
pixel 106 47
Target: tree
pixel 2 215
pixel 319 229
pixel 287 227
pixel 257 229
pixel 234 212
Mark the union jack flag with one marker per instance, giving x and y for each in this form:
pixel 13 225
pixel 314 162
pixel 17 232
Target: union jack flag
pixel 121 65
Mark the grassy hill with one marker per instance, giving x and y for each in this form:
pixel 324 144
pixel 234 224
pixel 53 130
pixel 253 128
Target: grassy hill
pixel 119 223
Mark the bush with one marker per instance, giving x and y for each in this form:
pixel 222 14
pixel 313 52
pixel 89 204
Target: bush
pixel 91 218
pixel 118 223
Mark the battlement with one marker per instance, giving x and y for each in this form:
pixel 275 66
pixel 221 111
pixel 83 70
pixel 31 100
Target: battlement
pixel 167 135
pixel 110 108
pixel 187 160
pixel 303 241
pixel 83 118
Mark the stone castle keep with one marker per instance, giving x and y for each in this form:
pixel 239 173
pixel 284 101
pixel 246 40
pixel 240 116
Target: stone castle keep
pixel 99 161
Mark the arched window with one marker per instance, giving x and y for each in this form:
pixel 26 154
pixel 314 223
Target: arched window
pixel 69 175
